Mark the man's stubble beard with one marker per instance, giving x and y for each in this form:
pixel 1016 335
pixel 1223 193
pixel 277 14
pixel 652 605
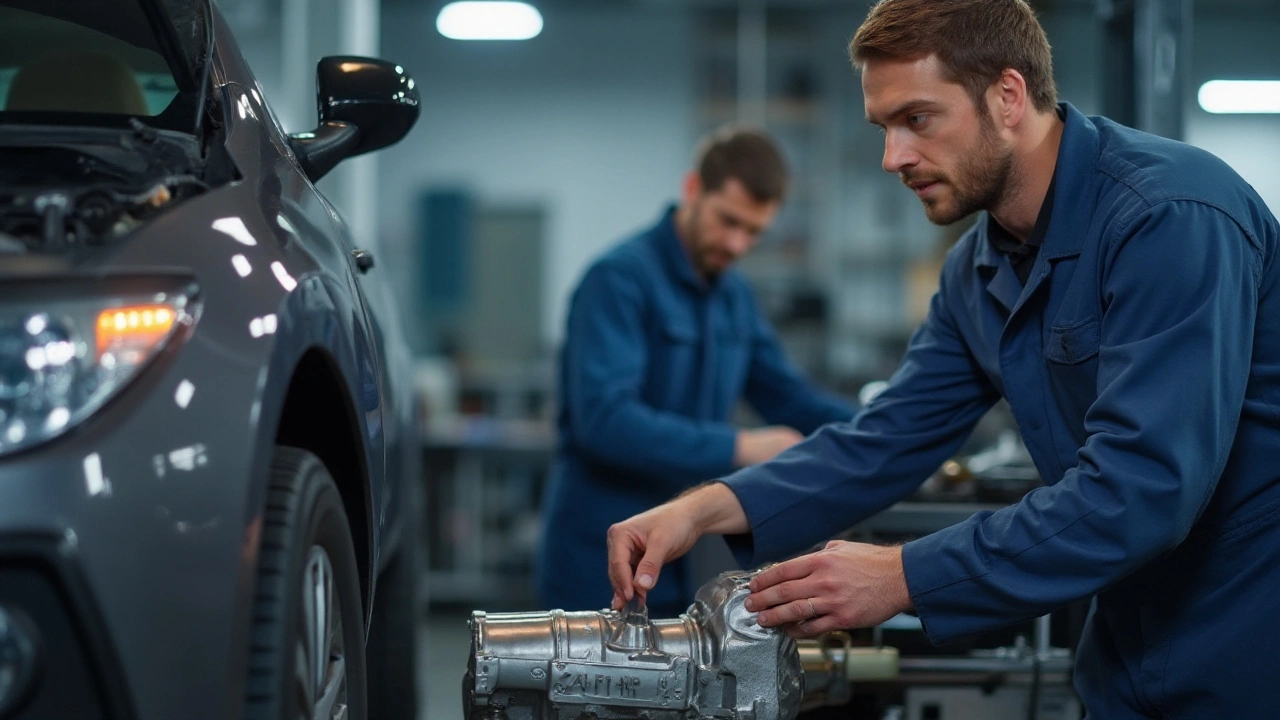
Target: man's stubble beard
pixel 693 238
pixel 982 179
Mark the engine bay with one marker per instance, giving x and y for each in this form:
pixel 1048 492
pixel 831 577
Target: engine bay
pixel 58 192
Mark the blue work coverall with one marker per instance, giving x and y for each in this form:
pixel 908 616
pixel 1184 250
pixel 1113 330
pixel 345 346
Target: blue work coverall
pixel 1142 364
pixel 654 362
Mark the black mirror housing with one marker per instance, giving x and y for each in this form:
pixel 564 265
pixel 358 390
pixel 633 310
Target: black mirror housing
pixel 365 104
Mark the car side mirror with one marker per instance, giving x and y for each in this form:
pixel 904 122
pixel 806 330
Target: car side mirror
pixel 365 104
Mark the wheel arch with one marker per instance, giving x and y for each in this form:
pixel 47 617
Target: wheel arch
pixel 316 392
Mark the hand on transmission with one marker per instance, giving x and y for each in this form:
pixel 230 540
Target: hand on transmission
pixel 760 444
pixel 845 585
pixel 641 545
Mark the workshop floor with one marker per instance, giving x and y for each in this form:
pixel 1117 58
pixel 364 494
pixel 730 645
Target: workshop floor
pixel 443 643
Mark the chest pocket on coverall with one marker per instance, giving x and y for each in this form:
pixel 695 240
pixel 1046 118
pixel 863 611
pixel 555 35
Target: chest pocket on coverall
pixel 678 360
pixel 1072 355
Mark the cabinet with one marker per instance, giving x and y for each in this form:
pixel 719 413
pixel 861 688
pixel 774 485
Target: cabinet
pixel 487 451
pixel 485 478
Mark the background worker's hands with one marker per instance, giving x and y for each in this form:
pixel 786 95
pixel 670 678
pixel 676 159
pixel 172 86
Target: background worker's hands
pixel 641 545
pixel 845 585
pixel 757 445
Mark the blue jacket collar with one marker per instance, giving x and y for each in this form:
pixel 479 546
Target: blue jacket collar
pixel 1072 202
pixel 1077 155
pixel 674 257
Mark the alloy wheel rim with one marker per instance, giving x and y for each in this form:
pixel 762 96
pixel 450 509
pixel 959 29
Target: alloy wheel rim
pixel 319 675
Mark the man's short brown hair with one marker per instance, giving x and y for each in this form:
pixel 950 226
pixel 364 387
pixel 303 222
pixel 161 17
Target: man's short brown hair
pixel 745 154
pixel 976 40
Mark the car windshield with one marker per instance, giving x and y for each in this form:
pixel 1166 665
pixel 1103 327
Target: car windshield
pixel 95 62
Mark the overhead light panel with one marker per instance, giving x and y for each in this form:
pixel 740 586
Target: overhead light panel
pixel 1241 96
pixel 487 20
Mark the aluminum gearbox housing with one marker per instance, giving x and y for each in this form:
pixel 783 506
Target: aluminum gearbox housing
pixel 713 661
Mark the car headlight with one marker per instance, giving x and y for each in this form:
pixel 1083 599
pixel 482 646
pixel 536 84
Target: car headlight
pixel 61 358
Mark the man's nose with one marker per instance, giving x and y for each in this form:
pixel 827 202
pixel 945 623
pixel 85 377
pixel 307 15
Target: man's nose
pixel 738 241
pixel 898 153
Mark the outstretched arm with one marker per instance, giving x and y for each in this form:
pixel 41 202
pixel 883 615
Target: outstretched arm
pixel 640 546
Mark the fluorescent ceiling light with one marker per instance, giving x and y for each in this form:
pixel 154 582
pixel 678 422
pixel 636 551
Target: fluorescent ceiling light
pixel 1240 96
pixel 489 21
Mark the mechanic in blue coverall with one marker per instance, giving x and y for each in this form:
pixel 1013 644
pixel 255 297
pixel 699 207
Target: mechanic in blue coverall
pixel 662 341
pixel 1122 292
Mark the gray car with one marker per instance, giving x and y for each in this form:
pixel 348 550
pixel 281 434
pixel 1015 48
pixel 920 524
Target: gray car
pixel 208 456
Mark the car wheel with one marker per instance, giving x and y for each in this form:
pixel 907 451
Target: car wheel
pixel 307 640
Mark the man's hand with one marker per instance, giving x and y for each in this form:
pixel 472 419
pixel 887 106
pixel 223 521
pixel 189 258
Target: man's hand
pixel 640 546
pixel 760 444
pixel 844 585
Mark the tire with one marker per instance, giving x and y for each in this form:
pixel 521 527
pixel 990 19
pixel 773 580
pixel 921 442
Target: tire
pixel 306 553
pixel 398 601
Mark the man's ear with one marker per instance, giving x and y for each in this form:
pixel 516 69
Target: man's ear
pixel 1008 98
pixel 692 188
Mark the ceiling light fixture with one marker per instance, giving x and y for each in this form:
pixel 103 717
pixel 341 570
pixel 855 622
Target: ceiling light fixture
pixel 1241 96
pixel 487 20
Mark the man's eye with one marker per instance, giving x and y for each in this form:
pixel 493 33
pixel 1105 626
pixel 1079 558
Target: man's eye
pixel 917 120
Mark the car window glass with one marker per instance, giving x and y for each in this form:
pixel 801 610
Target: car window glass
pixel 53 65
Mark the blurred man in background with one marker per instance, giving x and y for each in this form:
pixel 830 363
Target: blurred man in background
pixel 663 340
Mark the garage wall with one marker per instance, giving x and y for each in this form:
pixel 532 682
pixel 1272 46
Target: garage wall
pixel 1073 34
pixel 1226 43
pixel 592 119
pixel 1237 46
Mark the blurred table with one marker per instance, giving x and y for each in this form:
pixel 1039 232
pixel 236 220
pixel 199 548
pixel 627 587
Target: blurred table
pixel 485 479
